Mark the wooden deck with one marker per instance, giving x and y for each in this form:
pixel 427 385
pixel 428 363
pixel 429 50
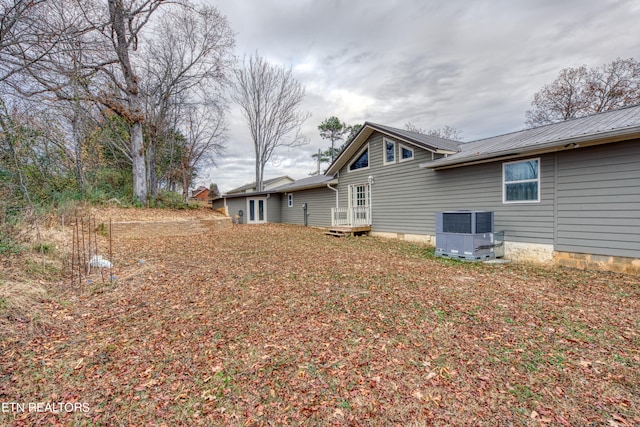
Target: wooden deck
pixel 344 231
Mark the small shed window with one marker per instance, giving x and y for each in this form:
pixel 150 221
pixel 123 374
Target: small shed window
pixel 290 200
pixel 521 181
pixel 389 154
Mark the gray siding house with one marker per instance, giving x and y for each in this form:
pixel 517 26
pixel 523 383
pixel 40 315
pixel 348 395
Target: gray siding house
pixel 284 204
pixel 566 193
pixel 251 208
pixel 380 183
pixel 312 197
pixel 248 206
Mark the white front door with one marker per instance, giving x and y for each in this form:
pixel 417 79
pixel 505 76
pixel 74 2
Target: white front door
pixel 256 210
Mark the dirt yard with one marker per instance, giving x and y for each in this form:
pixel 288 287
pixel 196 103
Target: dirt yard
pixel 214 324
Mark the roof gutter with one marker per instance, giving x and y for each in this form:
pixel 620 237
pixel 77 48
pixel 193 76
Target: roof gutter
pixel 252 194
pixel 558 145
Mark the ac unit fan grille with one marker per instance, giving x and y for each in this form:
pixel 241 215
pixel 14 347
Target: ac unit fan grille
pixel 459 222
pixel 483 222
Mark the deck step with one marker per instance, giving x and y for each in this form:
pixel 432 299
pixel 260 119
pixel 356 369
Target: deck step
pixel 336 234
pixel 347 231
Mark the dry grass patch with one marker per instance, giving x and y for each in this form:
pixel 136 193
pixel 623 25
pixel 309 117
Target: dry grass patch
pixel 21 307
pixel 281 325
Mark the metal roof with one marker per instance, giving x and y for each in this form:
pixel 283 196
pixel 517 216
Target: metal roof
pixel 429 142
pixel 599 128
pixel 305 183
pixel 253 184
pixel 315 181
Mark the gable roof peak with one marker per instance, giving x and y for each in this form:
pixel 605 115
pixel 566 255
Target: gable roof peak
pixel 426 142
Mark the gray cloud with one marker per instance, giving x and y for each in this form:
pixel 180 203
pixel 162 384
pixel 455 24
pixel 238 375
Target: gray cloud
pixel 474 65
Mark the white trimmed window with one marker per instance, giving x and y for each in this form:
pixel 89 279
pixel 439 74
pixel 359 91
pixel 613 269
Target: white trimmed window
pixel 521 181
pixel 389 152
pixel 406 153
pixel 361 161
pixel 290 200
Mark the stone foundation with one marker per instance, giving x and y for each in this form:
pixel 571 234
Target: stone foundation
pixel 529 252
pixel 417 238
pixel 598 262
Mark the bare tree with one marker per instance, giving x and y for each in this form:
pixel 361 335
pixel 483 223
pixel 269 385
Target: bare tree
pixel 270 98
pixel 126 20
pixel 563 99
pixel 187 60
pixel 26 34
pixel 578 92
pixel 615 85
pixel 45 48
pixel 104 54
pixel 446 132
pixel 205 133
pixel 92 59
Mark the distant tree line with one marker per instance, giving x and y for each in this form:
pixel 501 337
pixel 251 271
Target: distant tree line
pixel 110 98
pixel 582 91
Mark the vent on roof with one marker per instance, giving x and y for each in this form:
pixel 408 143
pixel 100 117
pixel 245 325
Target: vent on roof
pixel 465 234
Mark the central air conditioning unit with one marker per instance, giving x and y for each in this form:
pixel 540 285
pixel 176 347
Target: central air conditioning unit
pixel 465 235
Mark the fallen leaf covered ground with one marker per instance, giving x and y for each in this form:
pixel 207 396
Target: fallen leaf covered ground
pixel 282 325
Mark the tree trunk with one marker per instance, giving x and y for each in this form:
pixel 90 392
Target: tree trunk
pixel 139 166
pixel 259 171
pixel 121 44
pixel 185 183
pixel 77 147
pixel 151 164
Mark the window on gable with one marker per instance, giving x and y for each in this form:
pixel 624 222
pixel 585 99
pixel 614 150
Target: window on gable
pixel 389 154
pixel 521 181
pixel 290 200
pixel 362 162
pixel 406 153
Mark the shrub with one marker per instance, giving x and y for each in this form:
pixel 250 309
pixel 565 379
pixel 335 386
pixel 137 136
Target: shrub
pixel 8 246
pixel 169 199
pixel 44 248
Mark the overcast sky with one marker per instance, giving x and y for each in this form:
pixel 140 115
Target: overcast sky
pixel 471 64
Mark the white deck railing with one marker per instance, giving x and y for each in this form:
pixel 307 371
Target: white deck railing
pixel 339 216
pixel 356 216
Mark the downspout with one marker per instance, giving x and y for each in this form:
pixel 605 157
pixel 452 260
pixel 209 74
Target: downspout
pixel 337 194
pixel 337 202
